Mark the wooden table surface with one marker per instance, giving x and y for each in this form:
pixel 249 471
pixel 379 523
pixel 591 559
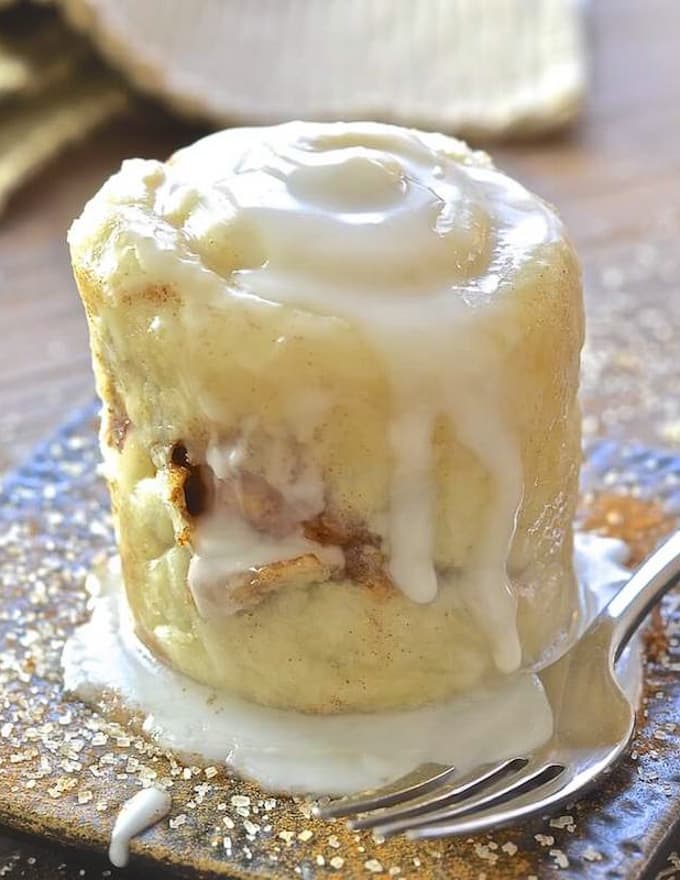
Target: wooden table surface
pixel 615 178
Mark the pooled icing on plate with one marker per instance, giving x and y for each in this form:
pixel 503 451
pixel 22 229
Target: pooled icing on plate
pixel 291 751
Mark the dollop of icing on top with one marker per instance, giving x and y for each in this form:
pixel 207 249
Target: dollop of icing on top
pixel 359 209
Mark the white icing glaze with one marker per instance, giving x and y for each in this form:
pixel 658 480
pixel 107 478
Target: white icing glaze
pixel 313 753
pixel 414 239
pixel 140 812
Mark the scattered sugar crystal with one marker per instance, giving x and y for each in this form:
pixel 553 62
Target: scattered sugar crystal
pixel 251 828
pixel 560 858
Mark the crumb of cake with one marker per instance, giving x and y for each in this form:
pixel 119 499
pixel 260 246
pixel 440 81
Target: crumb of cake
pixel 191 488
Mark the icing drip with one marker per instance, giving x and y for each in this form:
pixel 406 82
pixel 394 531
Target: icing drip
pixel 491 598
pixel 140 812
pixel 411 564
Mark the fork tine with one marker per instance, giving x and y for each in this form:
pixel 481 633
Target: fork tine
pixel 421 780
pixel 442 795
pixel 553 792
pixel 530 777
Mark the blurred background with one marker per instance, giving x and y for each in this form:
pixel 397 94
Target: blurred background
pixel 579 101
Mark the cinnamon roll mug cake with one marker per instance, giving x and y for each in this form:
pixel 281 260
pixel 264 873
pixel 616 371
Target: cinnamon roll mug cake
pixel 338 366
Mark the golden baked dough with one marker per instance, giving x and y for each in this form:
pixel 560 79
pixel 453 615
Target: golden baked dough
pixel 338 366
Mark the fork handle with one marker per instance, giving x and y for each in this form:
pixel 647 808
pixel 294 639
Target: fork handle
pixel 629 607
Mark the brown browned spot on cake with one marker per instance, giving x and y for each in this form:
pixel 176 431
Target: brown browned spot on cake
pixel 365 565
pixel 364 559
pixel 183 539
pixel 330 528
pixel 158 294
pixel 191 485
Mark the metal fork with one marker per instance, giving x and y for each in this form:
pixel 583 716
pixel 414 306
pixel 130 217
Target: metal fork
pixel 594 722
